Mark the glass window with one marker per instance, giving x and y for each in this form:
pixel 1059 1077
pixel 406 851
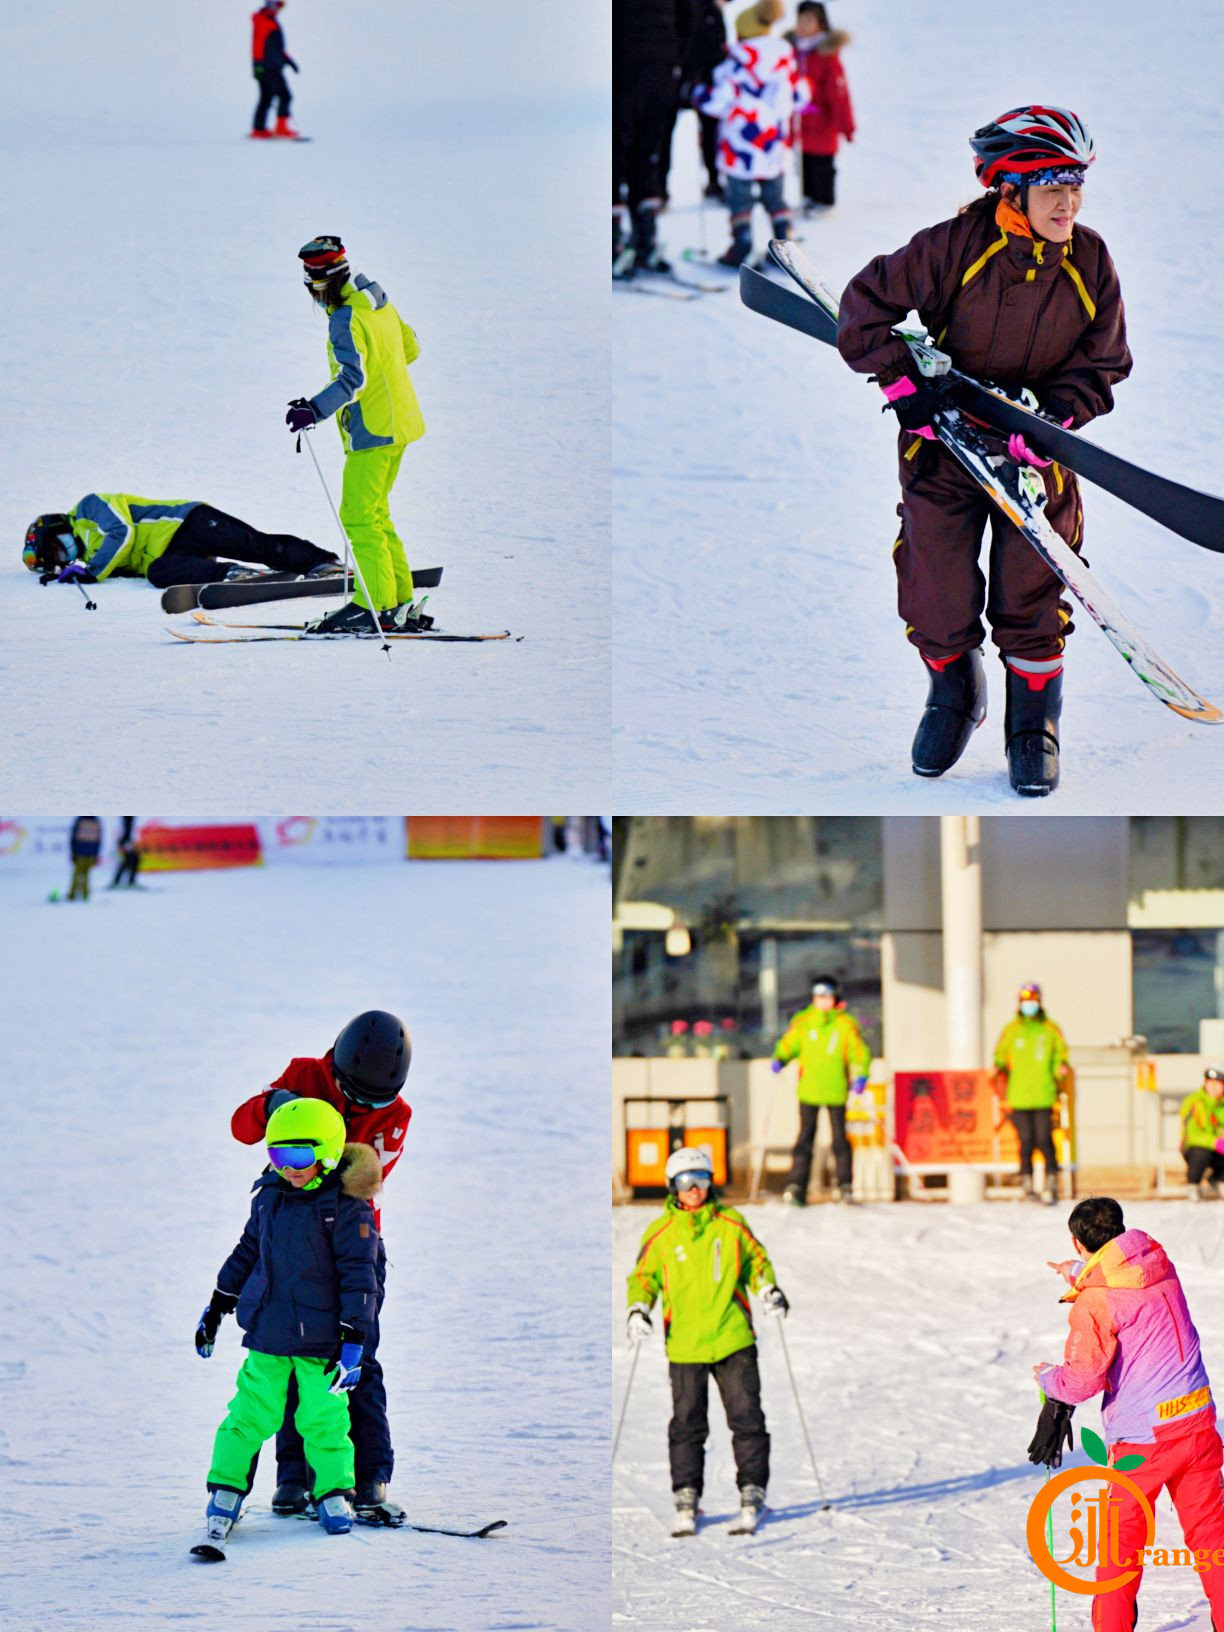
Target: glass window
pixel 1178 976
pixel 765 903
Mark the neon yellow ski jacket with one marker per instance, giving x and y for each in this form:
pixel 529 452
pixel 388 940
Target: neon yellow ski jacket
pixel 704 1265
pixel 1033 1053
pixel 830 1050
pixel 121 533
pixel 1202 1119
pixel 369 348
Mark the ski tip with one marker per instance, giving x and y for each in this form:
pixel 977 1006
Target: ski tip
pixel 1206 713
pixel 498 1524
pixel 208 1554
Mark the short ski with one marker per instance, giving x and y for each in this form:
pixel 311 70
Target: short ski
pixel 1196 516
pixel 272 586
pixel 1017 490
pixel 464 1535
pixel 666 291
pixel 211 1552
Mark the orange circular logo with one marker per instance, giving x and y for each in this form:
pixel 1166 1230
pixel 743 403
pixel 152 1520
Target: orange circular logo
pixel 1034 1530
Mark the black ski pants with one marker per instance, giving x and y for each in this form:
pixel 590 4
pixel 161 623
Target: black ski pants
pixel 209 541
pixel 819 178
pixel 129 866
pixel 273 87
pixel 643 110
pixel 801 1159
pixel 1036 1130
pixel 1202 1163
pixel 369 1429
pixel 739 1383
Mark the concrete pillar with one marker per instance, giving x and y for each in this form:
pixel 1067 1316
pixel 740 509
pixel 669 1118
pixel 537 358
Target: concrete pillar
pixel 768 988
pixel 960 855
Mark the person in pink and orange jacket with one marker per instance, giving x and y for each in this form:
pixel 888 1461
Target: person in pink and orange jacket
pixel 1132 1340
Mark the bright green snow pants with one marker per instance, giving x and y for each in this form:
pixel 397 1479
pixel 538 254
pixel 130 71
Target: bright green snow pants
pixel 257 1410
pixel 365 511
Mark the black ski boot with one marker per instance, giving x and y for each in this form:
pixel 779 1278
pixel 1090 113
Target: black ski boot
pixel 1030 730
pixel 647 256
pixel 373 1506
pixel 955 707
pixel 409 618
pixel 349 619
pixel 290 1497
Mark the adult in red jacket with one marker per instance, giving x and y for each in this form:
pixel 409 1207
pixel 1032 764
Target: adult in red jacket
pixel 361 1076
pixel 269 59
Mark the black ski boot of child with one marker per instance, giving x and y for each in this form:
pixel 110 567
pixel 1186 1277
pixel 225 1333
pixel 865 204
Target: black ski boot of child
pixel 955 707
pixel 1030 730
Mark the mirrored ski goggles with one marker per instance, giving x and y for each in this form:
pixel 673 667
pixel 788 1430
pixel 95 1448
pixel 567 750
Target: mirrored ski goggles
pixel 686 1181
pixel 372 1098
pixel 297 1157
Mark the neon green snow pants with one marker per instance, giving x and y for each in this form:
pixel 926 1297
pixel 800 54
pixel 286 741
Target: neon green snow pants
pixel 257 1410
pixel 365 512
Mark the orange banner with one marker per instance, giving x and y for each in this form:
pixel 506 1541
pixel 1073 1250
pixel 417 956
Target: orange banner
pixel 181 849
pixel 947 1117
pixel 460 838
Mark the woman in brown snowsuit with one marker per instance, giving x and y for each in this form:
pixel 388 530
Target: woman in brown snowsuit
pixel 1017 298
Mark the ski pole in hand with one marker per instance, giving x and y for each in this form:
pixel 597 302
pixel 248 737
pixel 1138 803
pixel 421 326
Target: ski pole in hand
pixel 620 1421
pixel 802 1423
pixel 386 646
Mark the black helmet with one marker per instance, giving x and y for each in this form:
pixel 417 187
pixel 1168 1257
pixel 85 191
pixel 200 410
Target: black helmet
pixel 371 1058
pixel 49 543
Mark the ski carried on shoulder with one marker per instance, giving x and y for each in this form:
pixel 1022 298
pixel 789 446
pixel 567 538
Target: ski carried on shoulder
pixel 1196 516
pixel 270 586
pixel 1017 490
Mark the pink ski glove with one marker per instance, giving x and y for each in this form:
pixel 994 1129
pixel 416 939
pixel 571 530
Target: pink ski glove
pixel 913 416
pixel 1220 1147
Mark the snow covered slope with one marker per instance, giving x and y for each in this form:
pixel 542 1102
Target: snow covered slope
pixel 157 328
pixel 762 667
pixel 133 1026
pixel 913 1331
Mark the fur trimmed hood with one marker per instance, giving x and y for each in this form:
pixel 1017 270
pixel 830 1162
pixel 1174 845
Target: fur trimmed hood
pixel 360 1172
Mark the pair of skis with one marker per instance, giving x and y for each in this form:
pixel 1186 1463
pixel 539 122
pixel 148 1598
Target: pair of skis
pixel 269 586
pixel 245 633
pixel 1018 490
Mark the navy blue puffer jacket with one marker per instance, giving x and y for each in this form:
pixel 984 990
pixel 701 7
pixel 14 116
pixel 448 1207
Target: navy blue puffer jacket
pixel 306 1259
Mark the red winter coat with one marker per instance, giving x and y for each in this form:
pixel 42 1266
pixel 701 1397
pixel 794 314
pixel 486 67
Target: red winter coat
pixel 831 116
pixel 384 1128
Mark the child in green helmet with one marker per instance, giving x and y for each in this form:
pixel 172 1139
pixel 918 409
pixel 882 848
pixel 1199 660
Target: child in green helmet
pixel 303 1282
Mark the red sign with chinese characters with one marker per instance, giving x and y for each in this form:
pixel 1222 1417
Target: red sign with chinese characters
pixel 951 1116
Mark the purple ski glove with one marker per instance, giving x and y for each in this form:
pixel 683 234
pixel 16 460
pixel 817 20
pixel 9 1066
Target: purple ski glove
pixel 912 415
pixel 777 1065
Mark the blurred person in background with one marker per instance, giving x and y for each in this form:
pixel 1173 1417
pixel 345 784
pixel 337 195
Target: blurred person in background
pixel 129 855
pixel 1030 1065
pixel 84 846
pixel 707 50
pixel 828 116
pixel 833 1059
pixel 1202 1120
pixel 650 43
pixel 754 93
pixel 269 59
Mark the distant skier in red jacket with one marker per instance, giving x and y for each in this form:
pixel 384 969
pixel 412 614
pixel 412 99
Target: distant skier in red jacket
pixel 829 116
pixel 269 59
pixel 361 1076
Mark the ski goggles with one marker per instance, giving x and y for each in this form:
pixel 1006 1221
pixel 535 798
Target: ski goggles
pixel 297 1157
pixel 1214 1073
pixel 686 1181
pixel 822 989
pixel 373 1099
pixel 42 551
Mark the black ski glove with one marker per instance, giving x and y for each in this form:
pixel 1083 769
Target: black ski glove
pixel 276 1098
pixel 916 408
pixel 1053 1426
pixel 301 415
pixel 219 1305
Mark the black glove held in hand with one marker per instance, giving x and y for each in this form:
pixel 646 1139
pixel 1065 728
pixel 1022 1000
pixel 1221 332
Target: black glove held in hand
pixel 219 1305
pixel 1053 1426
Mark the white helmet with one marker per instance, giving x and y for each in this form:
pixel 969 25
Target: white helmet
pixel 688 1160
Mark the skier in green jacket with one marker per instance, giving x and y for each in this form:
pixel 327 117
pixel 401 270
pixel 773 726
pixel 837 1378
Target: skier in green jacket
pixel 369 348
pixel 833 1058
pixel 167 541
pixel 1202 1120
pixel 702 1258
pixel 1030 1061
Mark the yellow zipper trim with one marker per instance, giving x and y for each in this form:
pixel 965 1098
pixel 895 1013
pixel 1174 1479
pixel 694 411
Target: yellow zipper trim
pixel 1071 272
pixel 977 266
